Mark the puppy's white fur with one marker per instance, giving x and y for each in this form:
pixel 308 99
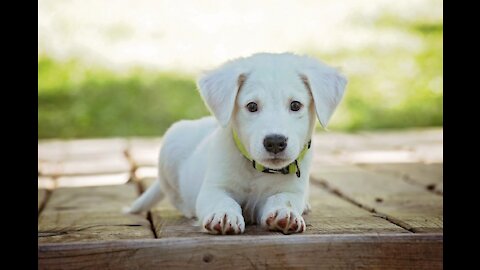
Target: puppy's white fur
pixel 206 176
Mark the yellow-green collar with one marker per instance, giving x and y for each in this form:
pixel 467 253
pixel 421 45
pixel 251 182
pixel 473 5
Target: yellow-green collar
pixel 290 168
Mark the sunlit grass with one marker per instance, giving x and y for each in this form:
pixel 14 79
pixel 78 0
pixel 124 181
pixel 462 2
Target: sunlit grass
pixel 78 102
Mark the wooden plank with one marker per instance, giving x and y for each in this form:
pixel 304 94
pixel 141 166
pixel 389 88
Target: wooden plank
pixel 430 176
pixel 87 226
pixel 98 198
pixel 51 150
pixel 45 183
pixel 405 204
pixel 116 163
pixel 42 196
pixel 411 137
pixel 336 141
pixel 91 148
pixel 417 145
pixel 430 153
pixel 58 150
pixel 91 214
pixel 49 168
pixel 330 214
pixel 144 152
pixel 93 180
pixel 168 221
pixel 146 172
pixel 394 251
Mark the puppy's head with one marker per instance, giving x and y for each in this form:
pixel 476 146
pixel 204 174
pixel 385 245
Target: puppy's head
pixel 271 100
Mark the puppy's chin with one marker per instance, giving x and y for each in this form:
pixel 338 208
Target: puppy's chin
pixel 275 163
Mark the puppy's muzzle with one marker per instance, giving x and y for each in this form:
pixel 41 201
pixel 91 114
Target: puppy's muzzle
pixel 275 143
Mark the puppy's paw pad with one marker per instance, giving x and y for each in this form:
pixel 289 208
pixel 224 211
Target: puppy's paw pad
pixel 285 221
pixel 224 223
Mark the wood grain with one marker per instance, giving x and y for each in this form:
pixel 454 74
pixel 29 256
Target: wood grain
pixel 144 152
pixel 62 150
pixel 92 148
pixel 404 251
pixel 146 172
pixel 91 214
pixel 93 180
pixel 377 147
pixel 377 216
pixel 42 196
pixel 87 226
pixel 330 214
pixel 429 176
pixel 407 205
pixel 46 183
pixel 115 163
pixel 98 198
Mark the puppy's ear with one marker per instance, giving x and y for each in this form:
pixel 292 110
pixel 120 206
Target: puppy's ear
pixel 219 90
pixel 326 85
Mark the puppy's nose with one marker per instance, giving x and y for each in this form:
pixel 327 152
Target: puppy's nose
pixel 275 143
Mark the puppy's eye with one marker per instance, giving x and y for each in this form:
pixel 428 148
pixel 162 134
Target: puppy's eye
pixel 295 106
pixel 252 107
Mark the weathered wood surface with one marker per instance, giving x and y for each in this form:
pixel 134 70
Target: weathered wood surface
pixel 42 196
pixel 430 176
pixel 407 205
pixel 373 206
pixel 82 157
pixel 98 198
pixel 115 163
pixel 146 172
pixel 144 152
pixel 330 215
pixel 394 251
pixel 422 146
pixel 333 215
pixel 93 180
pixel 91 214
pixel 46 182
pixel 59 150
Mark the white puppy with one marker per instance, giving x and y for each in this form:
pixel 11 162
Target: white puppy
pixel 249 164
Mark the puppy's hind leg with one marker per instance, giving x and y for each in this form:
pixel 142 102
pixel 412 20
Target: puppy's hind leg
pixel 147 200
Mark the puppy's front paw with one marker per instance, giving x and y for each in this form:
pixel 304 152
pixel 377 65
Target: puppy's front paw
pixel 284 220
pixel 224 223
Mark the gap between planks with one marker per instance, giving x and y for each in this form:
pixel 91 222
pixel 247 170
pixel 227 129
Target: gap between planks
pixel 324 185
pixel 44 201
pixel 91 213
pixel 410 175
pixel 405 204
pixel 133 165
pixel 140 190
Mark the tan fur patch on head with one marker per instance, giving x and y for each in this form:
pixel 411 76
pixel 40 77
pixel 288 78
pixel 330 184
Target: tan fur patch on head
pixel 312 104
pixel 241 79
pixel 305 81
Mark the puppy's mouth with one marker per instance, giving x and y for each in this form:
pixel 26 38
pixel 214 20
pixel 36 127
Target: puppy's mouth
pixel 276 162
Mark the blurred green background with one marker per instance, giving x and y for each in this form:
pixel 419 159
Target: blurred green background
pixel 389 87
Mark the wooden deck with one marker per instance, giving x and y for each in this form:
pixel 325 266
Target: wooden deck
pixel 377 202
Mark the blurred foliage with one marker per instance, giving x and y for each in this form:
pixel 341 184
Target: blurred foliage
pixel 394 88
pixel 75 101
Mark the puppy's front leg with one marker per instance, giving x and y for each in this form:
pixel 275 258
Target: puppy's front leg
pixel 220 213
pixel 283 212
